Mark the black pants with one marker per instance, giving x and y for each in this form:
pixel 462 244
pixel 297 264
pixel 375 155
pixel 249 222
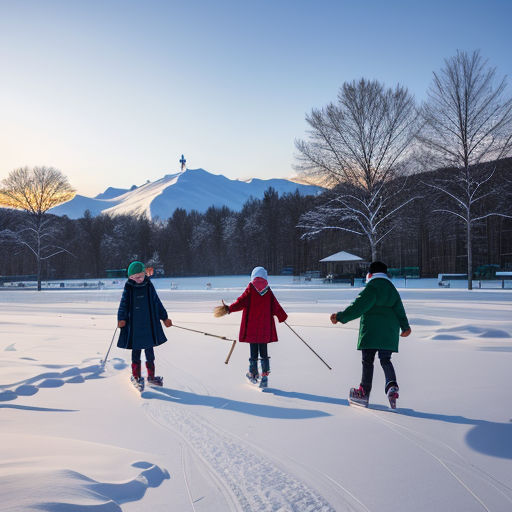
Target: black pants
pixel 261 350
pixel 385 362
pixel 150 355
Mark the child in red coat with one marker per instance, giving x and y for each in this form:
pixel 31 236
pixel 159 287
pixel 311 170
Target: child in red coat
pixel 259 306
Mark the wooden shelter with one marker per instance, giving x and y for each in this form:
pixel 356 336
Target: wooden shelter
pixel 343 263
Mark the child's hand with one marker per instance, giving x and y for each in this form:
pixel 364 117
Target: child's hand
pixel 121 323
pixel 219 311
pixel 406 333
pixel 334 320
pixel 167 322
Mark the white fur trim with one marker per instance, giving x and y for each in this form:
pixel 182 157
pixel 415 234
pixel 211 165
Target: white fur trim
pixel 377 275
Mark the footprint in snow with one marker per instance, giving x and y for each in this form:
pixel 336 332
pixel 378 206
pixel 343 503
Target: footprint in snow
pixel 7 395
pixel 51 383
pixel 26 390
pixel 446 337
pixel 77 379
pixel 482 332
pixel 71 371
pixel 73 375
pixel 118 364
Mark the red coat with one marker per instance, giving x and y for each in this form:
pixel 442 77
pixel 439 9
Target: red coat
pixel 258 324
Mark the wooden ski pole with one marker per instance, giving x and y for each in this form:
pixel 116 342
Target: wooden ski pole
pixel 308 346
pixel 108 351
pixel 230 352
pixel 214 335
pixel 202 332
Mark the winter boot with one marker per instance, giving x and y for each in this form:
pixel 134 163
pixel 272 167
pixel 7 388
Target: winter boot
pixel 392 396
pixel 264 380
pixel 152 379
pixel 136 378
pixel 265 370
pixel 136 370
pixel 252 374
pixel 357 396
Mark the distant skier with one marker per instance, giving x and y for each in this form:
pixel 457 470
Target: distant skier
pixel 257 328
pixel 138 317
pixel 382 317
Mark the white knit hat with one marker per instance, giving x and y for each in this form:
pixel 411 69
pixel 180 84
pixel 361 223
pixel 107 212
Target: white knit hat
pixel 259 272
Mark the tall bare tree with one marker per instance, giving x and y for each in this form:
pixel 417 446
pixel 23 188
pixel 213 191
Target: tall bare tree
pixel 360 145
pixel 36 191
pixel 467 127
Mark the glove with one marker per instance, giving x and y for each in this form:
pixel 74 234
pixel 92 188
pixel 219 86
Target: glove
pixel 167 322
pixel 121 323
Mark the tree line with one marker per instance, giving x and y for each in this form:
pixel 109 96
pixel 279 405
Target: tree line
pixel 221 241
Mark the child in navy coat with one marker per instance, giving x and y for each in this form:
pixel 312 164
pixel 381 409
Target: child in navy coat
pixel 139 315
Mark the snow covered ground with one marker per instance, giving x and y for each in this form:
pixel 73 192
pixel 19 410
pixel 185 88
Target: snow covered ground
pixel 76 438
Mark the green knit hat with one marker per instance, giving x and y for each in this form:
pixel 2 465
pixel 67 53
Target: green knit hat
pixel 136 267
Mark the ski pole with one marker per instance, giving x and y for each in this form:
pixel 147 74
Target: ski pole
pixel 108 351
pixel 230 352
pixel 214 335
pixel 205 333
pixel 288 325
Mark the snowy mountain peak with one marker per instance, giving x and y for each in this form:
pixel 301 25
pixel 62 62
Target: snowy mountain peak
pixel 191 189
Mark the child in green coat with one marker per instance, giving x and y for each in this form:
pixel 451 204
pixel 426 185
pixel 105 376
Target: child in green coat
pixel 382 317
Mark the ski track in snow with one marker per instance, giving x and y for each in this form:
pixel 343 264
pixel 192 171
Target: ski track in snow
pixel 257 483
pixel 251 478
pixel 350 503
pixel 490 493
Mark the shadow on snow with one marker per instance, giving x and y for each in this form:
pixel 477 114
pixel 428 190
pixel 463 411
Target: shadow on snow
pixel 307 396
pixel 265 411
pixel 488 437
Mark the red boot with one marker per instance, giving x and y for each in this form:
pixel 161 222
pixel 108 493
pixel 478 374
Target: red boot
pixel 152 379
pixel 136 370
pixel 150 365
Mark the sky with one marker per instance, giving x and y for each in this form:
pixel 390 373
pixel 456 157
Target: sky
pixel 113 92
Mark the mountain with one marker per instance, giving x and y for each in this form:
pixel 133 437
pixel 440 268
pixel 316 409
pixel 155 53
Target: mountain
pixel 112 192
pixel 192 189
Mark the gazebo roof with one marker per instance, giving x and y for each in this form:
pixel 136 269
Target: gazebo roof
pixel 342 256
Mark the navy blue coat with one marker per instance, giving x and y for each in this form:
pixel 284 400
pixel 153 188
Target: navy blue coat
pixel 152 310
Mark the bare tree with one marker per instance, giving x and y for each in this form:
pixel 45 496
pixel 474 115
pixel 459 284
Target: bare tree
pixel 36 191
pixel 467 127
pixel 360 144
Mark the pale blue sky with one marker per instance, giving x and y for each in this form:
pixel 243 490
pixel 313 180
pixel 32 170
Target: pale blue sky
pixel 113 92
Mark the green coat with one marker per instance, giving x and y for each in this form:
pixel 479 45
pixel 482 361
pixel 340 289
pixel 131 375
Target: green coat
pixel 382 315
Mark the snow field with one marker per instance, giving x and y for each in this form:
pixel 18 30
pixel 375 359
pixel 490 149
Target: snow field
pixel 75 437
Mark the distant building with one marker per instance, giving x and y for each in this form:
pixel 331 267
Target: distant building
pixel 343 263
